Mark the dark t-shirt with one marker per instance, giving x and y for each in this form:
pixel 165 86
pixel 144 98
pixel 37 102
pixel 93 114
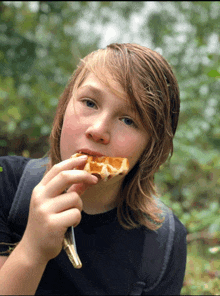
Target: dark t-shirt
pixel 111 255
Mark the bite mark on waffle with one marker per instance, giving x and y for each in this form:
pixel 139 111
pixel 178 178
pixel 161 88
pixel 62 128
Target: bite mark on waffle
pixel 105 167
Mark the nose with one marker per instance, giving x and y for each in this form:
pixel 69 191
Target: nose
pixel 99 130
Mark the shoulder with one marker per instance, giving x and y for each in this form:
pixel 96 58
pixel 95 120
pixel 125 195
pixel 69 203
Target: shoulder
pixel 11 170
pixel 180 230
pixel 179 249
pixel 13 164
pixel 174 229
pixel 171 221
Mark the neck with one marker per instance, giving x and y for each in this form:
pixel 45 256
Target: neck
pixel 101 197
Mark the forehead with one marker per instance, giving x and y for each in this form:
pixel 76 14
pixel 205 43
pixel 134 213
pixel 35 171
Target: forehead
pixel 103 85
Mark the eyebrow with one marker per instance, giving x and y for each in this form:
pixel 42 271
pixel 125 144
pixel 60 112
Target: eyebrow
pixel 94 90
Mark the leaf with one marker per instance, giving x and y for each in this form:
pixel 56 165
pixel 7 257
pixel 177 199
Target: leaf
pixel 214 73
pixel 14 113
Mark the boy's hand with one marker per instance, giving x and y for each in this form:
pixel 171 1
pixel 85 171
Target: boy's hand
pixel 52 211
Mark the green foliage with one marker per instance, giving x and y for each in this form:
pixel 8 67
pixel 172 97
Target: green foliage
pixel 214 73
pixel 202 271
pixel 39 50
pixel 40 46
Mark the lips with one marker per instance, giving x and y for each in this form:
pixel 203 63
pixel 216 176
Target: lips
pixel 90 152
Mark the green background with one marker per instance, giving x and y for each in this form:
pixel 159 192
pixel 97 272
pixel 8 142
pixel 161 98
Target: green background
pixel 42 42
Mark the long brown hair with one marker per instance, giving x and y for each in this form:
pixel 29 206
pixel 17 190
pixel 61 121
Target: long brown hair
pixel 149 82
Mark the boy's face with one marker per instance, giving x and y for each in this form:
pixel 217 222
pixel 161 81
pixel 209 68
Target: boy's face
pixel 96 119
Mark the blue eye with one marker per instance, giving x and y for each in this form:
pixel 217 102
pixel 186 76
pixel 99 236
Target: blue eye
pixel 128 121
pixel 89 103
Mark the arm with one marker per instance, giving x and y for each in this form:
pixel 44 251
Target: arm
pixel 19 275
pixel 51 213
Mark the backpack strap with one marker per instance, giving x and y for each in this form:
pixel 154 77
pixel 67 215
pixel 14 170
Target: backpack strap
pixel 165 236
pixel 31 176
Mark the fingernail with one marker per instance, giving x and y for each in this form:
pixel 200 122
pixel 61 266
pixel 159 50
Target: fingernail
pixel 95 179
pixel 83 157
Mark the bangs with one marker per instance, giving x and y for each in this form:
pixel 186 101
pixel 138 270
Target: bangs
pixel 112 67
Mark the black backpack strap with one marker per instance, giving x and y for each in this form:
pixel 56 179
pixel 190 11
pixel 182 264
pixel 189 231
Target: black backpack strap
pixel 165 237
pixel 32 175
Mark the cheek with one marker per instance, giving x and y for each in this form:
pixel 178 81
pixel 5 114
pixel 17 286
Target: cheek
pixel 65 143
pixel 132 146
pixel 69 135
pixel 70 128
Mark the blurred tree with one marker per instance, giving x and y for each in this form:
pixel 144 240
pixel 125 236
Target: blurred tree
pixel 39 50
pixel 41 43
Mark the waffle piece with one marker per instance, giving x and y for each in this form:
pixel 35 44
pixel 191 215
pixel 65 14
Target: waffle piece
pixel 105 167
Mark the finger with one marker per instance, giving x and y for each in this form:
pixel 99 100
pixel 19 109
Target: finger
pixel 65 202
pixel 65 179
pixel 68 164
pixel 80 188
pixel 71 217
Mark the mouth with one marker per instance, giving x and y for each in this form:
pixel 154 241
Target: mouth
pixel 90 152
